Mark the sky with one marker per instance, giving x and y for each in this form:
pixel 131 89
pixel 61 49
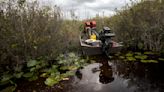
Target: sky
pixel 87 8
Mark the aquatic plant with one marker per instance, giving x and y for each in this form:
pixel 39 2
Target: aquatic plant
pixel 130 58
pixel 161 59
pixel 141 57
pixel 149 61
pixel 69 62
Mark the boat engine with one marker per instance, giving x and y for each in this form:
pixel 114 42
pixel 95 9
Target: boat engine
pixel 106 37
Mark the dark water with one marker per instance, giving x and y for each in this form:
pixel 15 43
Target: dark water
pixel 106 76
pixel 118 76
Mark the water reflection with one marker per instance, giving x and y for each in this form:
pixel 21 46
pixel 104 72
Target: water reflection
pixel 106 73
pixel 119 76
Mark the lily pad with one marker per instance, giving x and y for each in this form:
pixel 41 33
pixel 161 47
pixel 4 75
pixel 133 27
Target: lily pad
pixel 141 57
pixel 161 59
pixel 29 74
pixel 9 89
pixel 31 63
pixel 18 75
pixel 71 55
pixel 129 54
pixel 44 75
pixel 149 53
pixel 149 61
pixel 5 79
pixel 130 58
pixel 50 81
pixel 34 77
pixel 121 57
pixel 138 53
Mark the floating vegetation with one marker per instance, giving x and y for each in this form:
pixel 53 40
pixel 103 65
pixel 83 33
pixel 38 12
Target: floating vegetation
pixel 130 58
pixel 149 61
pixel 149 53
pixel 161 59
pixel 121 57
pixel 138 53
pixel 129 54
pixel 142 57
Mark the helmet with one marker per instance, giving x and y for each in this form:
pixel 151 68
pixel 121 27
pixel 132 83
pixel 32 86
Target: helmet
pixel 87 24
pixel 93 24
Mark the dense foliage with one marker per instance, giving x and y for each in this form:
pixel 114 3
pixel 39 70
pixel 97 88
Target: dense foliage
pixel 141 25
pixel 32 36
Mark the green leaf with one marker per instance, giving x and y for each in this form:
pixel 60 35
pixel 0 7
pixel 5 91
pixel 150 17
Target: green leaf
pixel 38 67
pixel 27 75
pixel 149 61
pixel 161 59
pixel 149 53
pixel 14 45
pixel 31 63
pixel 131 59
pixel 121 57
pixel 9 89
pixel 44 75
pixel 34 77
pixel 6 77
pixel 129 54
pixel 71 55
pixel 141 57
pixel 18 75
pixel 55 74
pixel 138 53
pixel 33 69
pixel 50 81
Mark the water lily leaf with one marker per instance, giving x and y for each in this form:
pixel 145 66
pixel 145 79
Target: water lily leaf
pixel 27 75
pixel 6 77
pixel 161 59
pixel 18 75
pixel 121 57
pixel 138 53
pixel 130 58
pixel 31 63
pixel 55 74
pixel 72 67
pixel 50 81
pixel 129 54
pixel 9 89
pixel 149 61
pixel 44 75
pixel 141 57
pixel 71 55
pixel 64 68
pixel 34 77
pixel 38 67
pixel 33 69
pixel 149 53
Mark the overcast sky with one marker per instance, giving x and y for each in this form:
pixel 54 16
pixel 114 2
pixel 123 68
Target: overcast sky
pixel 88 8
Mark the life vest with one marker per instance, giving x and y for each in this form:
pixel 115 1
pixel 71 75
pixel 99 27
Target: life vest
pixel 93 37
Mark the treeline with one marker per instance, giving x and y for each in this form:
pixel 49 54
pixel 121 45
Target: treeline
pixel 139 25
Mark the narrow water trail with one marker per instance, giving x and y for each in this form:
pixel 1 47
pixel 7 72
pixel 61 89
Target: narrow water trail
pixel 117 76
